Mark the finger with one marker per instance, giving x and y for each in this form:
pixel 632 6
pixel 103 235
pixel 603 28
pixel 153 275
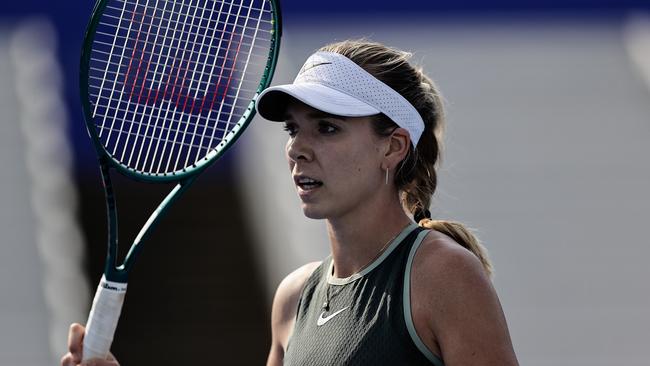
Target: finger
pixel 75 340
pixel 99 362
pixel 67 360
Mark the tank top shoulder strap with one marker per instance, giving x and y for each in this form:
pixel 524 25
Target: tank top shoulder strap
pixel 406 299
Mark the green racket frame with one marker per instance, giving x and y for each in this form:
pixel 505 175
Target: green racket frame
pixel 185 177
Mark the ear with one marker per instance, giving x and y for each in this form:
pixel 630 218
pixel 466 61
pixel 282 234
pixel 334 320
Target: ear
pixel 399 143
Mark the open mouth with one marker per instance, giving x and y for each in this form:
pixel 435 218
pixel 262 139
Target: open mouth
pixel 306 183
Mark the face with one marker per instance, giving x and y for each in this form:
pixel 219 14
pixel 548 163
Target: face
pixel 335 162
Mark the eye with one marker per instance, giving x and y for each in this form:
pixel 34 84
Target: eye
pixel 291 128
pixel 327 128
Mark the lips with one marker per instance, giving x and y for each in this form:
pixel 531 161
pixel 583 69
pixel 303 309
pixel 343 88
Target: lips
pixel 306 183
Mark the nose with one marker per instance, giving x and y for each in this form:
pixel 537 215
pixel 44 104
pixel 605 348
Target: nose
pixel 298 149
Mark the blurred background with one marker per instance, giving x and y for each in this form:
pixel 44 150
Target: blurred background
pixel 547 157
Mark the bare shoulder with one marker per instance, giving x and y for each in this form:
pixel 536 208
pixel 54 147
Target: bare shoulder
pixel 288 292
pixel 285 302
pixel 447 263
pixel 455 307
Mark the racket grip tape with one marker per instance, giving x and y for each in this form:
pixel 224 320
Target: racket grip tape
pixel 102 320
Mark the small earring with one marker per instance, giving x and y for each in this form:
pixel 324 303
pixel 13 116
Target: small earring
pixel 387 176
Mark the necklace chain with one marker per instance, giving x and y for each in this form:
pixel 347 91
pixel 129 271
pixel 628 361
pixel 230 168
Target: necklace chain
pixel 328 298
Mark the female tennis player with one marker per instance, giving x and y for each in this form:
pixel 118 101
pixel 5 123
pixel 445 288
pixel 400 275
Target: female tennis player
pixel 365 130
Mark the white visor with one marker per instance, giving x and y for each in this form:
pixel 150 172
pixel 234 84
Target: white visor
pixel 332 83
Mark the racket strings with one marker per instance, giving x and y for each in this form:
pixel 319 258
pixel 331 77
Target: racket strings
pixel 173 146
pixel 190 6
pixel 171 79
pixel 199 84
pixel 173 130
pixel 152 100
pixel 202 84
pixel 211 24
pixel 168 126
pixel 194 53
pixel 173 118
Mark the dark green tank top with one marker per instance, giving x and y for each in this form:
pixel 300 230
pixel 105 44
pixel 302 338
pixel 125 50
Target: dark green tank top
pixel 368 321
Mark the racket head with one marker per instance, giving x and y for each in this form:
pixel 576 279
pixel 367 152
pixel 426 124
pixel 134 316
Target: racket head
pixel 167 86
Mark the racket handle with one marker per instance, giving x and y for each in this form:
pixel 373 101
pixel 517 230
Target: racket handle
pixel 103 318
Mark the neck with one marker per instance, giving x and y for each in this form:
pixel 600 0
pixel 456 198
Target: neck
pixel 358 239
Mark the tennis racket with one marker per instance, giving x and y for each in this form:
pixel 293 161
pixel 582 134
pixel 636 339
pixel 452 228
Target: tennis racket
pixel 166 87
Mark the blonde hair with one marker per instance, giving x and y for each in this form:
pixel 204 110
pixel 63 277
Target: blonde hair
pixel 415 177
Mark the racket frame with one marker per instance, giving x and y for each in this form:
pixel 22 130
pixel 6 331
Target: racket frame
pixel 184 177
pixel 215 153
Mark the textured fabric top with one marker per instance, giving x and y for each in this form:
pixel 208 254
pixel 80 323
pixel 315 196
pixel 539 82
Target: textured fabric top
pixel 364 324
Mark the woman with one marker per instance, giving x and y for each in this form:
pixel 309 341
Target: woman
pixel 365 132
pixel 364 138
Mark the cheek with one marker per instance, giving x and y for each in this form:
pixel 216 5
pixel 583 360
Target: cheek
pixel 286 155
pixel 355 166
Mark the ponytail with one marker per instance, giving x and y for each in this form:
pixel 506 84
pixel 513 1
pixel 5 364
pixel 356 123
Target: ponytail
pixel 463 236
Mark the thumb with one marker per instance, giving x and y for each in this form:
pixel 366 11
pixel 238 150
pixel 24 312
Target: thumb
pixel 75 340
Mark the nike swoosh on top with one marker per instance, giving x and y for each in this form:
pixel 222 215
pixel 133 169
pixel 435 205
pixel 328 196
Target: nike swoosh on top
pixel 311 66
pixel 322 320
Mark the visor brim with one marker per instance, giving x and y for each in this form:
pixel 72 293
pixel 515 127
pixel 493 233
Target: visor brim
pixel 272 102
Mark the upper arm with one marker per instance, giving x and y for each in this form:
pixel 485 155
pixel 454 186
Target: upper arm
pixel 454 303
pixel 285 306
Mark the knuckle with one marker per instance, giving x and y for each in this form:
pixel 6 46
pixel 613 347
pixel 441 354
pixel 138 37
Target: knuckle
pixel 66 360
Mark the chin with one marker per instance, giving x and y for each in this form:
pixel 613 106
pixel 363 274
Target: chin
pixel 312 212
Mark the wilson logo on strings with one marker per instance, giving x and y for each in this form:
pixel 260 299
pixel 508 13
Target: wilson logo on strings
pixel 191 73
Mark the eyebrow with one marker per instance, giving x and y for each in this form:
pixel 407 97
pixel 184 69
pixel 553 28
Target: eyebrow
pixel 317 114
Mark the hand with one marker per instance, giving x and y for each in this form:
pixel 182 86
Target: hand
pixel 75 348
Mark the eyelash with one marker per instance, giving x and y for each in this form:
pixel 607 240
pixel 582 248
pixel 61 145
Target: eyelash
pixel 290 128
pixel 324 127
